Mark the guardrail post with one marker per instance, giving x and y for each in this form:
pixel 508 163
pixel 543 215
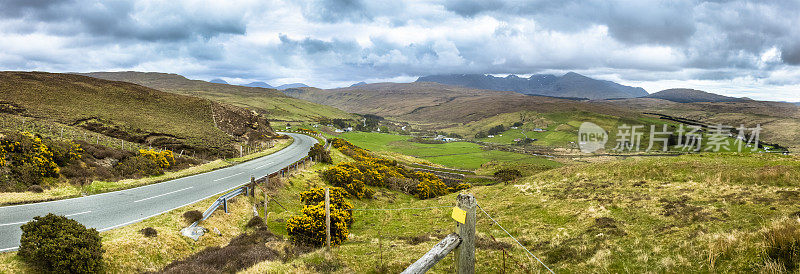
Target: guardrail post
pixel 225 205
pixel 465 252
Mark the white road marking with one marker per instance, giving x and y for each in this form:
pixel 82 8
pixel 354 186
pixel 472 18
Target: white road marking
pixel 79 213
pixel 168 193
pixel 70 215
pixel 14 223
pixel 223 178
pixel 264 165
pixel 140 219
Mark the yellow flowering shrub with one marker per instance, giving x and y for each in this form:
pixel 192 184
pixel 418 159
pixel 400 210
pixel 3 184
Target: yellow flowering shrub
pixel 309 227
pixel 28 158
pixel 308 131
pixel 427 189
pixel 164 159
pixel 368 170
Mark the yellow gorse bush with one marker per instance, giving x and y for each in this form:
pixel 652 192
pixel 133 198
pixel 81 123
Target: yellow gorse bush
pixel 309 227
pixel 29 150
pixel 164 159
pixel 368 170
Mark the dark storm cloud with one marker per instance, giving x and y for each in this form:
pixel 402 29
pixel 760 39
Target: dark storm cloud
pixel 791 54
pixel 352 40
pixel 631 21
pixel 164 21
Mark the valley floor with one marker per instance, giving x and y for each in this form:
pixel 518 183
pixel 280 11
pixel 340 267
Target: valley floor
pixel 695 213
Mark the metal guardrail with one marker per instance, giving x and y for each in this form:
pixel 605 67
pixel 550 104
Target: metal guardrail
pixel 247 187
pixel 222 201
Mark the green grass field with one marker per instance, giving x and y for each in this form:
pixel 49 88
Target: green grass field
pixel 694 213
pixel 462 155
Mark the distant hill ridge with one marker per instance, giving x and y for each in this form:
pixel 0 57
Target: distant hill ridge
pixel 571 85
pixel 131 112
pixel 685 95
pixel 270 102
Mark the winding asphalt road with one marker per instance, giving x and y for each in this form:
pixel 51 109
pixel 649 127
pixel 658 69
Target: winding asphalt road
pixel 120 208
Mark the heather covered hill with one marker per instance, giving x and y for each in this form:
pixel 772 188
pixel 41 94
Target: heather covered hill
pixel 388 99
pixel 270 102
pixel 130 112
pixel 780 122
pixel 571 85
pixel 428 102
pixel 685 95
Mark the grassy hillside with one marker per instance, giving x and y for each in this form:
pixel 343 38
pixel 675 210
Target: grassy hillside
pixel 780 122
pixel 130 112
pixel 274 104
pixel 694 213
pixel 685 95
pixel 460 155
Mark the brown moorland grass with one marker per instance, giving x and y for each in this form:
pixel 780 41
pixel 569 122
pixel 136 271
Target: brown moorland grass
pixel 273 103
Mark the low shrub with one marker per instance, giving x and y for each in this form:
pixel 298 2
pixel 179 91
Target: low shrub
pixel 427 189
pixel 367 170
pixel 60 245
pixel 138 166
pixel 164 158
pixel 36 189
pixel 320 154
pixel 309 227
pixel 242 252
pixel 28 159
pixel 507 174
pixel 255 222
pixel 149 232
pixel 193 216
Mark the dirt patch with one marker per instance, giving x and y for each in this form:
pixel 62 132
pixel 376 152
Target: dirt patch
pixel 571 250
pixel 492 244
pixel 242 252
pixel 606 226
pixel 680 209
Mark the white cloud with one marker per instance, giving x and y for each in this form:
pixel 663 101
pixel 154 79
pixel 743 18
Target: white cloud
pixel 735 46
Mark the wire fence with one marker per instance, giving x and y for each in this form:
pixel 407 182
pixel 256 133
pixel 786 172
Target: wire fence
pixel 58 131
pixel 389 235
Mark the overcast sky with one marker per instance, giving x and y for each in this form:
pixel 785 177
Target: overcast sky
pixel 740 48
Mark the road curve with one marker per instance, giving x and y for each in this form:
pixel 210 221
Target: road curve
pixel 119 208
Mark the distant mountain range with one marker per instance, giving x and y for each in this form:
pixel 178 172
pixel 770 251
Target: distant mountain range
pixel 685 95
pixel 292 85
pixel 281 87
pixel 258 85
pixel 218 81
pixel 570 85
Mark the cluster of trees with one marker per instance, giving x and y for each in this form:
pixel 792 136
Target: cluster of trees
pixel 370 123
pixel 492 131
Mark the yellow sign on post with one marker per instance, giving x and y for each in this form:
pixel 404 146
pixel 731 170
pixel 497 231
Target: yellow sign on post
pixel 459 215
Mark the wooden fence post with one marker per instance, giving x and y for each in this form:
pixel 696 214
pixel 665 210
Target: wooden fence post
pixel 327 218
pixel 266 202
pixel 465 252
pixel 253 186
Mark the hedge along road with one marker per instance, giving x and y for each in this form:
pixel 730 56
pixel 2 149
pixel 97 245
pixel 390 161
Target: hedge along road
pixel 119 208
